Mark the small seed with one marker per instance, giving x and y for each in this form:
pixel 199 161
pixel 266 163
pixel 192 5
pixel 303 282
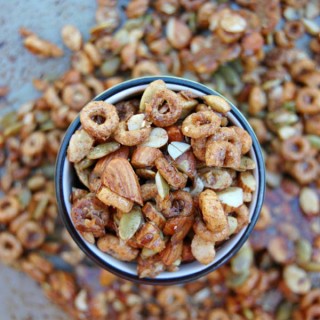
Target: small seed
pixel 309 201
pixel 130 223
pixel 102 150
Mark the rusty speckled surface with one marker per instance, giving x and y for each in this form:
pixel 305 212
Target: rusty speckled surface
pixel 20 297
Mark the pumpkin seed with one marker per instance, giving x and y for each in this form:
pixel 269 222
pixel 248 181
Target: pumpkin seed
pixel 309 201
pixel 311 266
pixel 41 207
pixel 230 75
pixel 303 250
pixel 246 164
pixel 233 224
pixel 83 175
pixel 24 197
pixel 86 163
pixel 110 67
pixel 242 260
pixel 12 129
pixel 314 141
pixel 284 311
pixel 8 119
pixel 130 223
pixel 236 280
pixel 102 150
pixel 147 253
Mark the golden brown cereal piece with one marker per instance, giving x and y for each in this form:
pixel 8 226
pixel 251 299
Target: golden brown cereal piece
pixel 199 148
pixel 42 48
pixel 180 203
pixel 243 218
pixel 34 144
pixel 312 125
pixel 164 108
pixel 9 209
pixel 150 211
pixel 175 178
pixel 245 139
pixel 81 62
pixel 90 215
pixel 31 235
pixel 257 100
pixel 150 267
pixel 202 250
pixel 215 178
pixel 149 236
pixel 212 211
pixel 247 181
pixel 305 171
pixel 10 247
pixel 99 119
pixel 137 8
pixel 149 191
pixel 71 37
pixel 295 148
pixel 76 96
pixel 171 253
pixel 110 198
pixel 174 133
pixel 308 100
pixel 120 177
pixel 116 248
pixel 79 146
pixel 130 138
pixel 201 124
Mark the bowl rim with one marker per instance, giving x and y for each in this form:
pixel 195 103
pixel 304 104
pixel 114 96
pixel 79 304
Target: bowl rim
pixel 63 212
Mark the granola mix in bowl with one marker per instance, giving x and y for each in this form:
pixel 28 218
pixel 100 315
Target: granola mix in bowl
pixel 166 179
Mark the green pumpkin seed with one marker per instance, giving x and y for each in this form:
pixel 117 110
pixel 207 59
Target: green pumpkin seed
pixel 130 223
pixel 242 260
pixel 147 253
pixel 110 67
pixel 8 119
pixel 83 175
pixel 102 150
pixel 86 163
pixel 230 75
pixel 233 224
pixel 42 116
pixel 284 311
pixel 48 171
pixel 246 164
pixel 303 250
pixel 314 141
pixel 236 280
pixel 248 313
pixel 48 125
pixel 311 266
pixel 162 185
pixel 12 129
pixel 290 106
pixel 24 197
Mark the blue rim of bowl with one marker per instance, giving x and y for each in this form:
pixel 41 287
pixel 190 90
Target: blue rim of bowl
pixel 81 243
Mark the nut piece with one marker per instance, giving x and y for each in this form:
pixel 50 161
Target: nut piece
pixel 80 145
pixel 176 149
pixel 158 138
pixel 212 211
pixel 202 250
pixel 117 248
pixel 145 156
pixel 247 182
pixel 112 199
pixel 231 198
pixel 121 179
pixel 309 201
pixel 178 33
pixel 149 92
pixel 136 122
pixel 162 186
pixel 71 37
pixel 217 103
pixel 150 211
pixel 149 236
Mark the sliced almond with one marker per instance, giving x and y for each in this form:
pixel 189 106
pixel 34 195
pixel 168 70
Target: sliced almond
pixel 217 103
pixel 150 211
pixel 233 224
pixel 110 198
pixel 181 146
pixel 311 26
pixel 148 93
pixel 130 223
pixel 231 198
pixel 247 181
pixel 247 197
pixel 158 138
pixel 120 178
pixel 187 164
pixel 198 187
pixel 162 185
pixel 136 122
pixel 144 156
pixel 246 163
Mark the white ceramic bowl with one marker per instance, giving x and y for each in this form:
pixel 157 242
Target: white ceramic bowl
pixel 65 179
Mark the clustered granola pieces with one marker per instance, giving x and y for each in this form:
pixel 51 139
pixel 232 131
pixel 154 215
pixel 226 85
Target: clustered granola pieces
pixel 263 72
pixel 123 150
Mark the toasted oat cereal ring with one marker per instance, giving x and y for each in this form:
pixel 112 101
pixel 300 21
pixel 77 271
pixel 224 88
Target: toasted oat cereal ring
pixel 76 95
pixel 10 247
pixel 171 298
pixel 310 79
pixel 294 29
pixel 130 138
pixel 199 148
pixel 308 101
pixel 295 148
pixel 245 139
pixel 90 215
pixel 218 314
pixel 201 124
pixel 312 125
pixel 34 144
pixel 9 209
pixel 305 171
pixel 31 235
pixel 180 204
pixel 99 119
pixel 243 217
pixel 164 109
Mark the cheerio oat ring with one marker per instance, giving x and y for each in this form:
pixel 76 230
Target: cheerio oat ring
pixel 167 214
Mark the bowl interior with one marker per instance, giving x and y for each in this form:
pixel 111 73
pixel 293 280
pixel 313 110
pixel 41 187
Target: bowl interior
pixel 130 268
